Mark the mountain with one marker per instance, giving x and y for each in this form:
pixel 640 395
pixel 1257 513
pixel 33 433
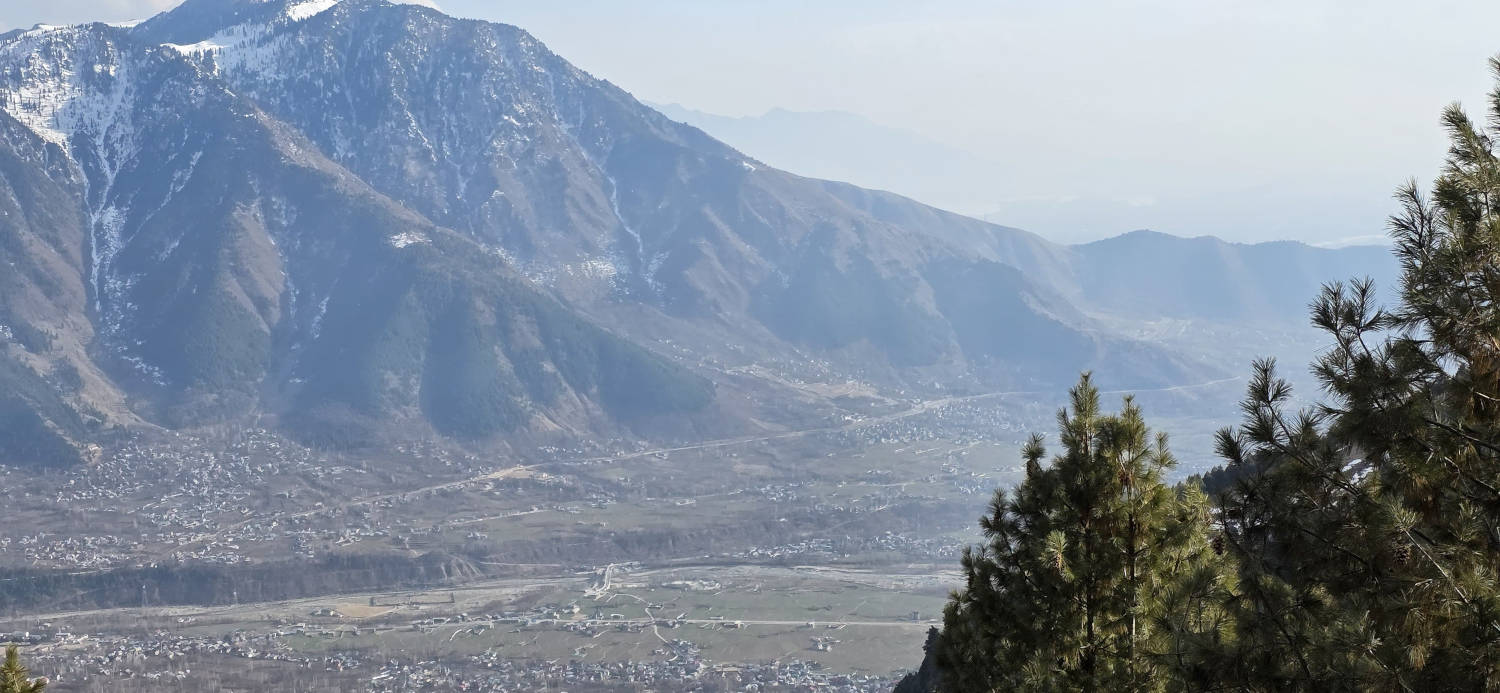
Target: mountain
pixel 1142 274
pixel 608 203
pixel 594 195
pixel 1145 274
pixel 42 249
pixel 361 222
pixel 189 258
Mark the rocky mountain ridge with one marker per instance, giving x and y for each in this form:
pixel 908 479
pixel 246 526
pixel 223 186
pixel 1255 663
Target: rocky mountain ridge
pixel 367 220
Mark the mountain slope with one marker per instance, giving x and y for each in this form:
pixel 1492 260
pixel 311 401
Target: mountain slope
pixel 230 267
pixel 365 221
pixel 1137 275
pixel 1149 274
pixel 47 381
pixel 608 202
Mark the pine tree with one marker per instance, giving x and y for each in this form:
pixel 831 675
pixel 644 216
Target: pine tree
pixel 14 676
pixel 1096 575
pixel 926 678
pixel 1367 530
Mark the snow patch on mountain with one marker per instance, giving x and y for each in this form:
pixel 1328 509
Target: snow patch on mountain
pixel 48 86
pixel 406 238
pixel 255 48
pixel 226 46
pixel 180 180
pixel 71 87
pixel 308 9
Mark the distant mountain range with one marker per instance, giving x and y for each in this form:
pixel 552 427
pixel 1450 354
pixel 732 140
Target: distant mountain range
pixel 1145 274
pixel 360 222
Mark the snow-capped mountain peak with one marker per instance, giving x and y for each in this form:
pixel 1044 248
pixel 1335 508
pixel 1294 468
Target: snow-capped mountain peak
pixel 63 80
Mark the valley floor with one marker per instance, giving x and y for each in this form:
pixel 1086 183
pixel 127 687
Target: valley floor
pixel 800 559
pixel 783 627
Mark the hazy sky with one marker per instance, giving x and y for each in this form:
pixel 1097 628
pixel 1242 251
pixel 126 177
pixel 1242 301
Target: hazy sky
pixel 1265 119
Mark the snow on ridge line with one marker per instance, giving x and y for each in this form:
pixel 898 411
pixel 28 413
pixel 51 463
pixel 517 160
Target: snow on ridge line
pixel 308 9
pixel 406 238
pixel 40 30
pixel 241 34
pixel 54 100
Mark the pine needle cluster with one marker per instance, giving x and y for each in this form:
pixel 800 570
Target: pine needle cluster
pixel 15 678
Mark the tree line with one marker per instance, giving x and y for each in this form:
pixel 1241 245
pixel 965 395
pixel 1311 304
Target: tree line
pixel 1353 545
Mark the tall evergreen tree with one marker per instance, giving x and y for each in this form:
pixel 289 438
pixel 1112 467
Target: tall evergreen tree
pixel 1367 530
pixel 926 678
pixel 14 677
pixel 1096 575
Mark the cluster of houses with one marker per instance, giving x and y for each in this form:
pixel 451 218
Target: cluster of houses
pixel 162 656
pixel 72 661
pixel 914 547
pixel 678 665
pixel 962 421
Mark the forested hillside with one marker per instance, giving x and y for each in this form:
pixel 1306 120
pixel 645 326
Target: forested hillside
pixel 1351 545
